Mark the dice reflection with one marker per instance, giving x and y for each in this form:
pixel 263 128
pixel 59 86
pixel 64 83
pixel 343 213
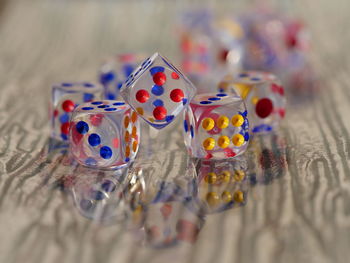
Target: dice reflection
pixel 99 197
pixel 222 185
pixel 104 196
pixel 167 219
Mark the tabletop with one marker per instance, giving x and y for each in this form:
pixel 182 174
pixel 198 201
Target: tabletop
pixel 294 201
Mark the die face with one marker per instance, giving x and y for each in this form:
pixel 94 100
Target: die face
pixel 115 71
pixel 104 134
pixel 65 98
pixel 216 126
pixel 264 98
pixel 157 91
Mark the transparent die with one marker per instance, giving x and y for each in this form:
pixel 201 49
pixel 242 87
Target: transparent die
pixel 271 39
pixel 157 91
pixel 216 126
pixel 104 134
pixel 263 95
pixel 210 47
pixel 65 98
pixel 195 33
pixel 115 71
pixel 265 44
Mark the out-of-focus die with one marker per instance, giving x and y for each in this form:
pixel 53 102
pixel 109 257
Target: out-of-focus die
pixel 65 98
pixel 265 46
pixel 195 33
pixel 229 44
pixel 115 71
pixel 278 44
pixel 211 48
pixel 216 126
pixel 157 91
pixel 263 96
pixel 297 36
pixel 104 134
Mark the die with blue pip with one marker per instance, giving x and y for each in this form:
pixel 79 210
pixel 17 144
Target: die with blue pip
pixel 157 91
pixel 65 98
pixel 115 71
pixel 104 134
pixel 263 95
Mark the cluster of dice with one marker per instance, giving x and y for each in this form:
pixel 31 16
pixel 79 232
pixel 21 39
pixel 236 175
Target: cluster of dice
pixel 106 133
pixel 260 40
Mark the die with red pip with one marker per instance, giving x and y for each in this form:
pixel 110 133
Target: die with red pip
pixel 65 98
pixel 216 126
pixel 158 91
pixel 115 71
pixel 263 95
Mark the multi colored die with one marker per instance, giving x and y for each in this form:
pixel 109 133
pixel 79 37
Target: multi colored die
pixel 216 126
pixel 210 48
pixel 157 91
pixel 263 95
pixel 195 33
pixel 104 134
pixel 271 41
pixel 65 98
pixel 115 71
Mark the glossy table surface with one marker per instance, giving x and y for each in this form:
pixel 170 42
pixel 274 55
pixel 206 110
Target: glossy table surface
pixel 295 198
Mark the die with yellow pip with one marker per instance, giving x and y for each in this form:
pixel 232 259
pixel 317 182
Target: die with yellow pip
pixel 216 126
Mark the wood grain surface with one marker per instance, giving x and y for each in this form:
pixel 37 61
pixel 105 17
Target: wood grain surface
pixel 296 193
